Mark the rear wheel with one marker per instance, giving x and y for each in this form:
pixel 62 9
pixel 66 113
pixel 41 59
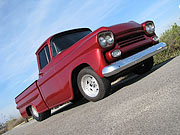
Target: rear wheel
pixel 39 116
pixel 91 86
pixel 145 66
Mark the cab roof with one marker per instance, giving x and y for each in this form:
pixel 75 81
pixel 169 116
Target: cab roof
pixel 59 34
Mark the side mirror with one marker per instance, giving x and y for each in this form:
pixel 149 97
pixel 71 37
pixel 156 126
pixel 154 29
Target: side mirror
pixel 40 74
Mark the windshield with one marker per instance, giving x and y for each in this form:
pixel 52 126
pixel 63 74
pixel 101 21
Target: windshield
pixel 63 41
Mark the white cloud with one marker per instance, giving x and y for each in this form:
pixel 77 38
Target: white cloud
pixel 32 77
pixel 19 54
pixel 82 14
pixel 39 14
pixel 152 10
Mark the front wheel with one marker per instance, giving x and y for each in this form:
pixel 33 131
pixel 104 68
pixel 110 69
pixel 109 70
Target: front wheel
pixel 39 116
pixel 91 86
pixel 145 66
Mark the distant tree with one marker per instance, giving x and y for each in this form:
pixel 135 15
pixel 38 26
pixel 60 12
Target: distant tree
pixel 172 38
pixel 1 126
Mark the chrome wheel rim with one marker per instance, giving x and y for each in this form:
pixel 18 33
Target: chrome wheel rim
pixel 90 85
pixel 35 113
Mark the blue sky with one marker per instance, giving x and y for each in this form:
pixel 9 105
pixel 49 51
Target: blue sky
pixel 25 24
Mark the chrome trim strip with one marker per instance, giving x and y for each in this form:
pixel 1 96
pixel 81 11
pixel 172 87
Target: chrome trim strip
pixel 123 64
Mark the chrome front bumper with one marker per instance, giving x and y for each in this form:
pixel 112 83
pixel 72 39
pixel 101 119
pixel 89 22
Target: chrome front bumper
pixel 123 64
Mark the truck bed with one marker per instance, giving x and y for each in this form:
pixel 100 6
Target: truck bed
pixel 31 96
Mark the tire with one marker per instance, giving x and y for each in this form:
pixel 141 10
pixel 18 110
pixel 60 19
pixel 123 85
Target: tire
pixel 91 86
pixel 144 67
pixel 39 116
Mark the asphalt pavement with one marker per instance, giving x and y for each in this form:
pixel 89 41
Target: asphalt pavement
pixel 138 105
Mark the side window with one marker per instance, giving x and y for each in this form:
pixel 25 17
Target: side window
pixel 44 57
pixel 47 51
pixel 53 49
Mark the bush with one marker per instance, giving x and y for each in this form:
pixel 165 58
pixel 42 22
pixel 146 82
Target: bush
pixel 13 122
pixel 172 38
pixel 8 125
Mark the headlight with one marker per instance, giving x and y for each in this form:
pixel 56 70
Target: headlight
pixel 155 38
pixel 116 53
pixel 106 39
pixel 150 28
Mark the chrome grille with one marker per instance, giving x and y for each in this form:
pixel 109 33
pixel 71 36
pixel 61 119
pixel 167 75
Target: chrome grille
pixel 130 39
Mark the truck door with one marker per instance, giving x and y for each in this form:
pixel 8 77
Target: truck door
pixel 51 87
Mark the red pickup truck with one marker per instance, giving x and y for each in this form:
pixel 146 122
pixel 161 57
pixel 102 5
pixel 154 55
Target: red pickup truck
pixel 80 62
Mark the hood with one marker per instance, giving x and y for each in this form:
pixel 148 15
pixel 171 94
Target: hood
pixel 125 27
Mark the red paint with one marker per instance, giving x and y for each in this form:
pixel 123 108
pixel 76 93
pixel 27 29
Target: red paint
pixel 54 86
